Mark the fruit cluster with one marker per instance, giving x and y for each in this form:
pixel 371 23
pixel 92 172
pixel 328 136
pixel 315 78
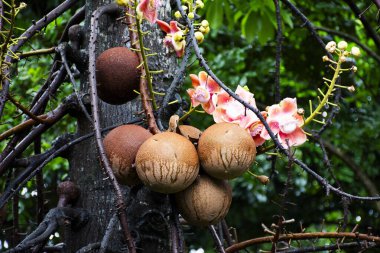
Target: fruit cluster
pixel 183 161
pixel 192 165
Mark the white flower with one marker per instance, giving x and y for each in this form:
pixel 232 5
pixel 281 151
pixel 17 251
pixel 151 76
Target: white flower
pixel 355 51
pixel 342 45
pixel 331 46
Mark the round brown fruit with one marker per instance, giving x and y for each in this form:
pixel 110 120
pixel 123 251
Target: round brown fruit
pixel 167 162
pixel 205 202
pixel 226 150
pixel 117 75
pixel 121 146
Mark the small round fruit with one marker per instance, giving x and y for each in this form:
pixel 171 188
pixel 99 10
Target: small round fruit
pixel 121 146
pixel 167 162
pixel 226 150
pixel 205 202
pixel 117 75
pixel 189 132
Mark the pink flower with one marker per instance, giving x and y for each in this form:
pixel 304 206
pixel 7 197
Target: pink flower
pixel 204 91
pixel 174 36
pixel 284 121
pixel 230 110
pixel 148 10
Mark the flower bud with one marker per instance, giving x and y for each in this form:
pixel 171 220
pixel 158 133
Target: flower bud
pixel 207 30
pixel 325 58
pixel 177 15
pixel 351 88
pixel 202 29
pixel 263 179
pixel 342 45
pixel 191 15
pixel 122 2
pixel 354 68
pixel 331 46
pixel 199 4
pixel 355 51
pixel 205 23
pixel 22 5
pixel 199 36
pixel 301 111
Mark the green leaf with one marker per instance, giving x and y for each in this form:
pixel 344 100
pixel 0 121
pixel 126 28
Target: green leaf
pixel 215 13
pixel 251 25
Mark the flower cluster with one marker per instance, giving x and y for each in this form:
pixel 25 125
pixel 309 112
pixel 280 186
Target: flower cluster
pixel 283 119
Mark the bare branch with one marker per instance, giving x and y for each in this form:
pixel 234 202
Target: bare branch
pixel 303 236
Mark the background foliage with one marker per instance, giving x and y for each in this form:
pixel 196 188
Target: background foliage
pixel 241 50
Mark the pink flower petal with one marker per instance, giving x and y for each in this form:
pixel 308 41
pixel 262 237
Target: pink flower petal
pixel 163 25
pixel 219 115
pixel 234 109
pixel 296 138
pixel 212 86
pixel 245 95
pixel 258 140
pixel 148 8
pixel 222 98
pixel 289 105
pixel 174 27
pixel 191 93
pixel 194 80
pixel 208 107
pixel 203 78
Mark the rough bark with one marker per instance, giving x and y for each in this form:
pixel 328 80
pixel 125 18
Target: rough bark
pixel 147 211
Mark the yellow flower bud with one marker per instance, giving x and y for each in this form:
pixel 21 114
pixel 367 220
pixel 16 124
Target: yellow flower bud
pixel 177 15
pixel 122 2
pixel 191 15
pixel 199 36
pixel 205 23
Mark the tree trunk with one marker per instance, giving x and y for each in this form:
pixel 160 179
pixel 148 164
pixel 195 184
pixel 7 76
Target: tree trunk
pixel 147 211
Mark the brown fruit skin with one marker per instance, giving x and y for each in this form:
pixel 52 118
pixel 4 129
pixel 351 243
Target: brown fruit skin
pixel 191 133
pixel 205 202
pixel 121 146
pixel 117 75
pixel 167 162
pixel 226 150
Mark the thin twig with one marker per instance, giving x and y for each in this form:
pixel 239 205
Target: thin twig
pixel 367 26
pixel 107 235
pixel 52 15
pixel 303 236
pixel 25 110
pixel 37 164
pixel 216 239
pixel 308 25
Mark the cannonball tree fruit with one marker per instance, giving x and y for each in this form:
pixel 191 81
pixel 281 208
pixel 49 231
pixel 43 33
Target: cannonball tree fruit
pixel 117 75
pixel 189 132
pixel 226 150
pixel 167 162
pixel 121 146
pixel 205 202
